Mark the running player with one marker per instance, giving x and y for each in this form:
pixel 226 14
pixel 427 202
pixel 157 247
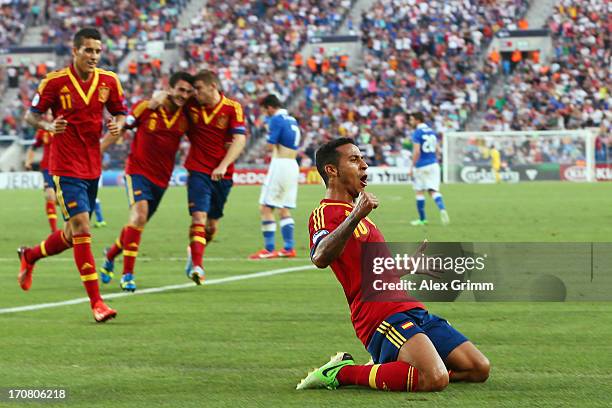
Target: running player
pixel 77 96
pixel 148 170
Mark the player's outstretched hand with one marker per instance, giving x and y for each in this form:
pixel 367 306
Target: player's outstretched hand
pixel 364 204
pixel 58 125
pixel 422 267
pixel 218 173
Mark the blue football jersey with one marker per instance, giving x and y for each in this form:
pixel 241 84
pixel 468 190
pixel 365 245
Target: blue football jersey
pixel 427 138
pixel 284 130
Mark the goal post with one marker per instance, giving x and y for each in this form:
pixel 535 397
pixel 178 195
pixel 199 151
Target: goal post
pixel 469 157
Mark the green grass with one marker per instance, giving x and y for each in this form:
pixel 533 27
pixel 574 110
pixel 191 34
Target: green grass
pixel 247 343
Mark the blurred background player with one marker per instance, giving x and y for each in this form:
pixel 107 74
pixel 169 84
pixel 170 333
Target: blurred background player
pixel 148 170
pixel 495 162
pixel 412 350
pixel 77 96
pixel 99 223
pixel 281 184
pixel 425 168
pixel 44 139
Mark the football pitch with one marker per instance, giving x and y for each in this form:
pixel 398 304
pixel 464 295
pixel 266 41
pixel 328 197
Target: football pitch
pixel 246 340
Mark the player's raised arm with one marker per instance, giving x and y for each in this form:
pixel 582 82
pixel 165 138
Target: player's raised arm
pixel 330 247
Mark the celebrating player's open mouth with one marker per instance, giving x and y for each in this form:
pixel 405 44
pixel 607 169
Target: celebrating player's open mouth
pixel 364 181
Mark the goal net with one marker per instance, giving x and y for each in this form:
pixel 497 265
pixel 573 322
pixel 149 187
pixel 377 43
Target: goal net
pixel 516 156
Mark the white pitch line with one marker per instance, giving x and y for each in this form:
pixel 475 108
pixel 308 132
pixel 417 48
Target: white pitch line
pixel 159 289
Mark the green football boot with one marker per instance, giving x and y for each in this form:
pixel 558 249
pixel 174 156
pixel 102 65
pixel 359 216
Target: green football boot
pixel 325 376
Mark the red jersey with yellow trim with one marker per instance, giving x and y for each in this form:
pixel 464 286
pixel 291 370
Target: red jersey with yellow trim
pixel 365 316
pixel 76 151
pixel 211 132
pixel 44 139
pixel 156 142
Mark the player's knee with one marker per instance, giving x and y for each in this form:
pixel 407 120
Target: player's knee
pixel 434 381
pixel 211 230
pixel 481 370
pixel 139 219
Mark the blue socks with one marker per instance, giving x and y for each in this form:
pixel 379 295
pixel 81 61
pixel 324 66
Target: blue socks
pixel 268 228
pixel 438 199
pixel 287 226
pixel 98 210
pixel 420 202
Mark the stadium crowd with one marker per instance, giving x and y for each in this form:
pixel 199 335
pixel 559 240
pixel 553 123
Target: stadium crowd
pixel 572 90
pixel 13 17
pixel 418 56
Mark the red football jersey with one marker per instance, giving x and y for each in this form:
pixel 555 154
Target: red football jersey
pixel 76 151
pixel 211 132
pixel 44 139
pixel 156 142
pixel 365 316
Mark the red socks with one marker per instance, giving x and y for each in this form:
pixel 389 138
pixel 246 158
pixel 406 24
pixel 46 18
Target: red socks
pixel 53 245
pixel 87 268
pixel 131 241
pixel 51 215
pixel 395 376
pixel 117 246
pixel 197 243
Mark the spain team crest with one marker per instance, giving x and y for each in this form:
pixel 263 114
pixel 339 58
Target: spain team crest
pixel 103 93
pixel 222 121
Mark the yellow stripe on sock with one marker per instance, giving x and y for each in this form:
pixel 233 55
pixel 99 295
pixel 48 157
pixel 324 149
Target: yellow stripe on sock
pixel 43 250
pixel 130 253
pixel 81 240
pixel 63 236
pixel 199 239
pixel 52 216
pixel 409 384
pixel 372 378
pixel 197 229
pixel 118 243
pixel 90 277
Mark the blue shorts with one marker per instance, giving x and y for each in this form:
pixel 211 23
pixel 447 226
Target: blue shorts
pixel 206 195
pixel 396 329
pixel 139 188
pixel 47 179
pixel 75 195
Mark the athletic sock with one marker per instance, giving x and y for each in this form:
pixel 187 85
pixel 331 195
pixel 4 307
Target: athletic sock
pixel 131 241
pixel 395 376
pixel 117 247
pixel 53 245
pixel 98 210
pixel 87 267
pixel 438 199
pixel 287 226
pixel 268 228
pixel 420 203
pixel 197 243
pixel 51 215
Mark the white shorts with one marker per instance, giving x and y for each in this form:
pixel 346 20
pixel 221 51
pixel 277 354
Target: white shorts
pixel 281 184
pixel 427 177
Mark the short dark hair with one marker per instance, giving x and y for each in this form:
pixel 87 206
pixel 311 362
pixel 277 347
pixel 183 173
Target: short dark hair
pixel 418 116
pixel 83 33
pixel 271 100
pixel 208 77
pixel 180 76
pixel 327 154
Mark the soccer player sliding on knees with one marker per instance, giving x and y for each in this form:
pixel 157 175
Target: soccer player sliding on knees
pixel 412 350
